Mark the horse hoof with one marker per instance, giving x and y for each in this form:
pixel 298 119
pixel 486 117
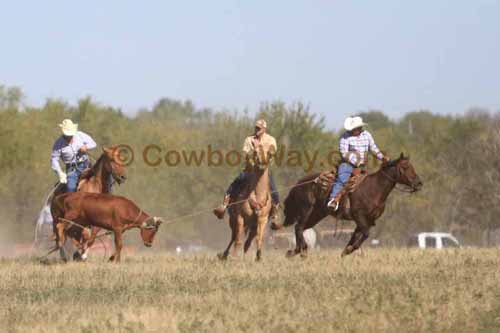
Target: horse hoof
pixel 346 251
pixel 77 256
pixel 303 255
pixel 112 258
pixel 221 256
pixel 290 253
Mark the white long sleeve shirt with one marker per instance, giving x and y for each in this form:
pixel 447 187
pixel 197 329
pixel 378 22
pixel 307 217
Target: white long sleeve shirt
pixel 68 152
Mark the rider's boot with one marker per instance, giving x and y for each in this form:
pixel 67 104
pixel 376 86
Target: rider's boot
pixel 334 202
pixel 219 211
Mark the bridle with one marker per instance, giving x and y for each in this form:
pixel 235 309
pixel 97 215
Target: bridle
pixel 406 188
pixel 114 177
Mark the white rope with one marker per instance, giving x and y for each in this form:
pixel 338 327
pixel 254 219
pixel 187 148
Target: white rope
pixel 200 212
pixel 38 224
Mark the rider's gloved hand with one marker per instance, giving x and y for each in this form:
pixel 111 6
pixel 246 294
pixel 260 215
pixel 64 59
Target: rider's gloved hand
pixel 63 178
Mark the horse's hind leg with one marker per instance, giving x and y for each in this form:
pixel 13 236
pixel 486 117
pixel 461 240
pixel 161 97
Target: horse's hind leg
pixel 88 242
pixel 252 232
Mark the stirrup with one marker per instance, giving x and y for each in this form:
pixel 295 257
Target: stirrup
pixel 333 204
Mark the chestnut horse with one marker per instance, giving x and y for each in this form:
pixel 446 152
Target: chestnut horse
pixel 107 211
pixel 305 207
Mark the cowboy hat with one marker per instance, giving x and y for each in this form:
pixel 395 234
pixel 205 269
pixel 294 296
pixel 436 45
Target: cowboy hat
pixel 353 122
pixel 68 127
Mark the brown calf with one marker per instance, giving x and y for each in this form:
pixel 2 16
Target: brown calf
pixel 106 211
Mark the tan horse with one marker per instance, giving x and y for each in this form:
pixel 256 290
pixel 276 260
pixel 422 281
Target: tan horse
pixel 95 180
pixel 250 211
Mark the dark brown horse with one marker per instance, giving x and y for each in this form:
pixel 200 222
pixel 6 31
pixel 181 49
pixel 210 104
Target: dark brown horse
pixel 304 207
pixel 96 179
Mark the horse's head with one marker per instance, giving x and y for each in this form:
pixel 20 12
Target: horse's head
pixel 403 172
pixel 262 157
pixel 149 228
pixel 113 164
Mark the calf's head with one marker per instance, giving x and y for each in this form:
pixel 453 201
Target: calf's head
pixel 149 228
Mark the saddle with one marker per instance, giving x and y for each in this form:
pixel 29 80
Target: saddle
pixel 324 182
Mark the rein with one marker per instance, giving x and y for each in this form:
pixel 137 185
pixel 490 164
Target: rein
pixel 406 188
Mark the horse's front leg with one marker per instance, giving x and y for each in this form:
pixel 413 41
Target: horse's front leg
pixel 361 233
pixel 118 246
pixel 261 229
pixel 239 232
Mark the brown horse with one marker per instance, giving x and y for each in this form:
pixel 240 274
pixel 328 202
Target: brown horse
pixel 107 211
pixel 96 179
pixel 250 212
pixel 304 207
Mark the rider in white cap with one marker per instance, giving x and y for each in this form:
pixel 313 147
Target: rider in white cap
pixel 71 147
pixel 355 143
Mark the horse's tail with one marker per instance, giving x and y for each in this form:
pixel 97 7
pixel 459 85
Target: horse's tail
pixel 296 200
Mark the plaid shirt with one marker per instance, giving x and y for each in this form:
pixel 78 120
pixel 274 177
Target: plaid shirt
pixel 354 149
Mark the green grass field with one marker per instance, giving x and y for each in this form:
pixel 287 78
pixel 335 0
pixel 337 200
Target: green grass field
pixel 377 290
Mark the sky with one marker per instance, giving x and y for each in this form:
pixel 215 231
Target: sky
pixel 339 56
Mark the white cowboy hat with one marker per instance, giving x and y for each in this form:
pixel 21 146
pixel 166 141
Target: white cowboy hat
pixel 68 127
pixel 353 122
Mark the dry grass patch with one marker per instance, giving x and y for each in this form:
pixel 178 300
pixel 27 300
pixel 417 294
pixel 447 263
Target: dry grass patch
pixel 380 290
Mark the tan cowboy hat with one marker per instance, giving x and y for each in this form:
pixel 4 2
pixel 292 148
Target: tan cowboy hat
pixel 68 127
pixel 353 122
pixel 261 123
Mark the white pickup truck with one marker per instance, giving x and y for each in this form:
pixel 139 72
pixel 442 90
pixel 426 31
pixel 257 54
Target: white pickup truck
pixel 433 240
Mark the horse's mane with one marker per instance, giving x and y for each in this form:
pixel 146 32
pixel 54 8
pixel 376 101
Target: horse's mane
pixel 86 174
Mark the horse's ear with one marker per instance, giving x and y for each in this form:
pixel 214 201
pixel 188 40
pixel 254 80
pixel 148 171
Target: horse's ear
pixel 402 156
pixel 106 150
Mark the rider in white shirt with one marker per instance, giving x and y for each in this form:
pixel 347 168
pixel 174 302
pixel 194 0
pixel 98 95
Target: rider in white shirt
pixel 71 147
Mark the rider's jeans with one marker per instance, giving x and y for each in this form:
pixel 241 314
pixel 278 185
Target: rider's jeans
pixel 73 174
pixel 72 183
pixel 343 173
